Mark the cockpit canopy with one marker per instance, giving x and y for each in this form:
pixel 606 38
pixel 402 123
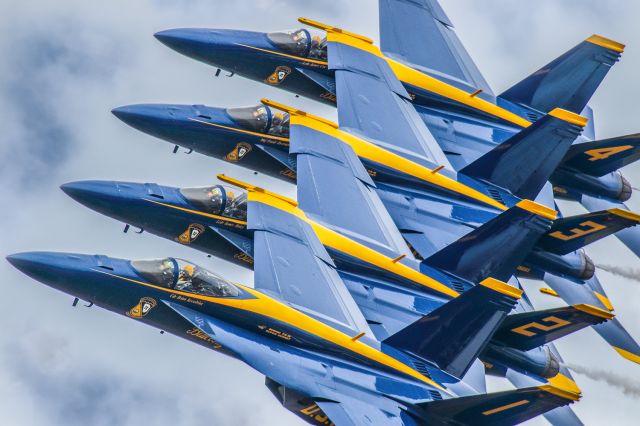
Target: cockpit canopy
pixel 178 274
pixel 261 119
pixel 300 43
pixel 219 200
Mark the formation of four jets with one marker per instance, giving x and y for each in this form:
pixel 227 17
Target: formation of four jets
pixel 388 289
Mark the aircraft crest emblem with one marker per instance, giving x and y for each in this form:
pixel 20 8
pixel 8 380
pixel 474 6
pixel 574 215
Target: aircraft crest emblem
pixel 238 152
pixel 144 306
pixel 191 234
pixel 278 75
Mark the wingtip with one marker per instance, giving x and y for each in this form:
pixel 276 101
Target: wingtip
pixel 539 209
pixel 604 300
pixel 628 355
pixel 569 117
pixel 606 43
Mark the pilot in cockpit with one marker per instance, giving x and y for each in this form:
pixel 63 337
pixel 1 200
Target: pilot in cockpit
pixel 185 278
pixel 318 49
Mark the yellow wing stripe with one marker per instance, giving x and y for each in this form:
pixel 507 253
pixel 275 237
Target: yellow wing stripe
pixel 372 152
pixel 539 209
pixel 339 242
pixel 266 306
pixel 604 300
pixel 628 355
pixel 607 43
pixel 416 78
pixel 328 28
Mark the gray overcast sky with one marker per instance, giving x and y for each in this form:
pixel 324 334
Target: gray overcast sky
pixel 67 63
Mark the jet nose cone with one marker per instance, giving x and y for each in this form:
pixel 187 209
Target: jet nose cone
pixel 67 272
pixel 21 261
pixel 35 264
pixel 188 41
pixel 92 193
pixel 126 113
pixel 143 117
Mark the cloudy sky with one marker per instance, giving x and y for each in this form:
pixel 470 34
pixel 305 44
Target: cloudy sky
pixel 67 63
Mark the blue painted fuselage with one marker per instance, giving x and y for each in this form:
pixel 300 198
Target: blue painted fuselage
pixel 231 325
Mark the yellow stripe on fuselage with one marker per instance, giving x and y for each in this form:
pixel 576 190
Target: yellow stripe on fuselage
pixel 246 132
pixel 339 242
pixel 199 213
pixel 273 52
pixel 369 151
pixel 271 308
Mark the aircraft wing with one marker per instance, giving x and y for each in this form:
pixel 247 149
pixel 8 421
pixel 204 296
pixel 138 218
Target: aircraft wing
pixel 372 103
pixel 419 33
pixel 335 189
pixel 292 265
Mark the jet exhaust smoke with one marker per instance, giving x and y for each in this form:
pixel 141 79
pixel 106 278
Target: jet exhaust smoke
pixel 625 272
pixel 627 386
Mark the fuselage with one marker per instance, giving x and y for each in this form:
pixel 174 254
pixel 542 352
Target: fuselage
pixel 213 220
pixel 466 125
pixel 409 191
pixel 186 300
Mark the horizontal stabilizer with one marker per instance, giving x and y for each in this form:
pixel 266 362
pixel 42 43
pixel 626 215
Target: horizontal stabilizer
pixel 496 248
pixel 525 162
pixel 570 81
pixel 591 292
pixel 528 330
pixel 572 233
pixel 454 334
pixel 630 237
pixel 597 158
pixel 561 416
pixel 500 408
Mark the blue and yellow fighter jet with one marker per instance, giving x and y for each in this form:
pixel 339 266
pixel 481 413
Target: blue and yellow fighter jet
pixel 301 314
pixel 446 87
pixel 385 305
pixel 262 131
